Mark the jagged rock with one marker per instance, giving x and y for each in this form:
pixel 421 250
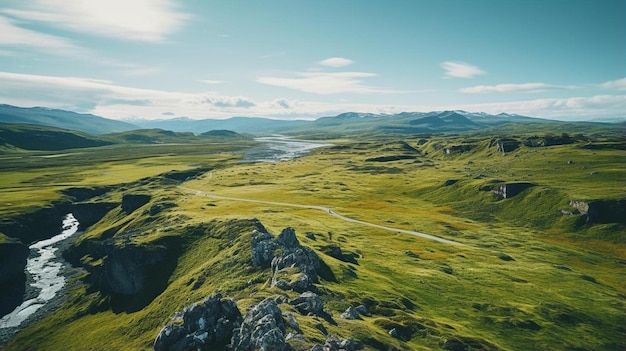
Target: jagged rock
pixel 308 303
pixel 263 247
pixel 350 313
pixel 285 253
pixel 131 202
pixel 311 235
pixel 287 238
pixel 263 328
pixel 206 325
pixel 508 190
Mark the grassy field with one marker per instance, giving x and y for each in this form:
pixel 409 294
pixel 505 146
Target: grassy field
pixel 528 277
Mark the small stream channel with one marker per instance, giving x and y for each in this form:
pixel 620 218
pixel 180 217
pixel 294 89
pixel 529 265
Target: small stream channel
pixel 43 269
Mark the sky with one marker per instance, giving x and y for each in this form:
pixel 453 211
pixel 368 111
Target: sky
pixel 296 59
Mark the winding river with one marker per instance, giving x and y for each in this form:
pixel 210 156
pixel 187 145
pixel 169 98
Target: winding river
pixel 280 148
pixel 44 269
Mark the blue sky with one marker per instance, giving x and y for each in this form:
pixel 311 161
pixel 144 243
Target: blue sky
pixel 155 59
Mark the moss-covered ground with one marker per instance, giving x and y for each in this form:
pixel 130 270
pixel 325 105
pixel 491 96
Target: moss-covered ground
pixel 529 277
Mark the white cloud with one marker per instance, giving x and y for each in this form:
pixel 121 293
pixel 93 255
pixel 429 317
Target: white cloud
pixel 13 35
pixel 143 20
pixel 460 70
pixel 114 101
pixel 336 62
pixel 619 84
pixel 211 81
pixel 512 88
pixel 325 83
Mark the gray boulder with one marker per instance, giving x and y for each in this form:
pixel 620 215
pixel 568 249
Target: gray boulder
pixel 350 313
pixel 207 325
pixel 263 328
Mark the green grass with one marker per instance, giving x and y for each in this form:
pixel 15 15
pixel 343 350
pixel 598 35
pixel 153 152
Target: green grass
pixel 528 278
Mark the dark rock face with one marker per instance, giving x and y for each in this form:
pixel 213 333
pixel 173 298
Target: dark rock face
pixel 282 255
pixel 458 149
pixel 263 328
pixel 336 252
pixel 505 145
pixel 450 182
pixel 131 202
pixel 12 277
pixel 602 211
pixel 123 270
pixel 207 325
pixel 508 190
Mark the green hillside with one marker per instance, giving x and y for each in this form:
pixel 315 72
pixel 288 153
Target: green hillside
pixel 42 116
pixel 31 137
pixel 538 213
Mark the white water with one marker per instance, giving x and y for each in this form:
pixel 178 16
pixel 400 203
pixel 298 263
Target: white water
pixel 282 148
pixel 45 274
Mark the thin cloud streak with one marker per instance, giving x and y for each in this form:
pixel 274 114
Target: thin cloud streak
pixel 336 62
pixel 325 83
pixel 513 88
pixel 460 70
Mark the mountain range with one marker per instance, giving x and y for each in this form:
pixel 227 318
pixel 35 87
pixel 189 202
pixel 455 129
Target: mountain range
pixel 342 124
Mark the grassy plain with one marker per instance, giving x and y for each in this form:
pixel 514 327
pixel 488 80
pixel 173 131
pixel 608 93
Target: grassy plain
pixel 527 278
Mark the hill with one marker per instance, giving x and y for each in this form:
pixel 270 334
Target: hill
pixel 86 123
pixel 32 137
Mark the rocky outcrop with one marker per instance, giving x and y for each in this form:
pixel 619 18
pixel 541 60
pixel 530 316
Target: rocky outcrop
pixel 207 325
pixel 508 190
pixel 263 328
pixel 310 304
pixel 505 145
pixel 458 149
pixel 284 254
pixel 549 140
pixel 602 211
pixel 12 277
pixel 131 202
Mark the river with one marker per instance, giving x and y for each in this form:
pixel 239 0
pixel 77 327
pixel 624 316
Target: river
pixel 44 269
pixel 278 148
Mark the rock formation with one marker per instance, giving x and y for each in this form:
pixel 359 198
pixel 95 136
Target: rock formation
pixel 207 325
pixel 263 328
pixel 282 255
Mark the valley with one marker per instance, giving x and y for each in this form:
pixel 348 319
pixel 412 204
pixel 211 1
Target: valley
pixel 523 244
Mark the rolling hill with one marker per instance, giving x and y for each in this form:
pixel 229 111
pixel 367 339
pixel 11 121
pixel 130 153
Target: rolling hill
pixel 32 137
pixel 42 116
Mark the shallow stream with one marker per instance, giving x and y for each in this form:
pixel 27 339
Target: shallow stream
pixel 44 271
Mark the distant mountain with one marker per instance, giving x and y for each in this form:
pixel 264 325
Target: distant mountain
pixel 254 125
pixel 32 137
pixel 62 119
